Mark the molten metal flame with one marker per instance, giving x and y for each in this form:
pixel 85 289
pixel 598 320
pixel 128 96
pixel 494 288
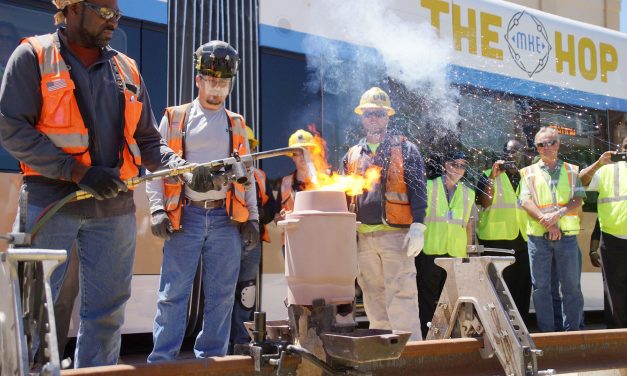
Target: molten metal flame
pixel 352 184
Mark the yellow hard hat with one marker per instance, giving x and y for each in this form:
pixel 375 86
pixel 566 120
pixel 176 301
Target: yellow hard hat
pixel 301 138
pixel 376 99
pixel 251 137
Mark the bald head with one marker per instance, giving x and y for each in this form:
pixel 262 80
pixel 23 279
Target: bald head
pixel 512 146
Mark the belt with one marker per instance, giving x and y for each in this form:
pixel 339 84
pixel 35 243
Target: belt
pixel 207 204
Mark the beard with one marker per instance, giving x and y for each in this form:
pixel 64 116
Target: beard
pixel 98 40
pixel 214 100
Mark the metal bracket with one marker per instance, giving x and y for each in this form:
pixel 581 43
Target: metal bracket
pixel 18 329
pixel 475 302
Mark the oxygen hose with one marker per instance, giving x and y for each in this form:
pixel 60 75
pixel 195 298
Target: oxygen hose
pixel 238 164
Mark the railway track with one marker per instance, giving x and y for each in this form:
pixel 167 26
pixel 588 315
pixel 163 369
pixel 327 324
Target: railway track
pixel 598 350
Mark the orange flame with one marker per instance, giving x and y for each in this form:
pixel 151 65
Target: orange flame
pixel 352 184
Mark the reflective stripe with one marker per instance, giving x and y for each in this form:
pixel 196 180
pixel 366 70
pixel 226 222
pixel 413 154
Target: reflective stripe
pixel 134 150
pixel 176 132
pixel 450 221
pixel 69 140
pixel 50 63
pixel 504 206
pixel 612 199
pixel 172 202
pixel 128 74
pixel 397 196
pixel 616 179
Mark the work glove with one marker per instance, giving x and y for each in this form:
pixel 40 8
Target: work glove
pixel 200 180
pixel 414 240
pixel 102 182
pixel 250 235
pixel 160 224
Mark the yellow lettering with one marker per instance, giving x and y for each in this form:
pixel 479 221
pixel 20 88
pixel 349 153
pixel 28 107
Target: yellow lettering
pixel 609 59
pixel 465 32
pixel 562 56
pixel 436 7
pixel 488 36
pixel 587 44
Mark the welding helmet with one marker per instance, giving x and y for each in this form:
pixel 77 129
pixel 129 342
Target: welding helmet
pixel 251 137
pixel 216 59
pixel 375 99
pixel 216 63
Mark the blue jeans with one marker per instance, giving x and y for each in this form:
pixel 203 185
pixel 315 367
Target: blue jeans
pixel 106 251
pixel 542 252
pixel 211 234
pixel 245 295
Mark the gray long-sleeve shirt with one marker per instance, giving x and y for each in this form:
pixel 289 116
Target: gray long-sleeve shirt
pixel 98 97
pixel 207 139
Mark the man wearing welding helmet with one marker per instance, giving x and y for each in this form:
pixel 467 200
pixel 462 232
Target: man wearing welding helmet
pixel 391 233
pixel 203 216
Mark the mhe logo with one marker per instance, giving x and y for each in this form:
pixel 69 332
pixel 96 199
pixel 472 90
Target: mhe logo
pixel 528 42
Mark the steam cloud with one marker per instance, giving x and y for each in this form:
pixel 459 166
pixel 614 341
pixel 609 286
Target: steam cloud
pixel 409 53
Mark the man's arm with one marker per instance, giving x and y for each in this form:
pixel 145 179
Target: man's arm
pixel 20 109
pixel 156 155
pixel 154 188
pixel 485 187
pixel 270 206
pixel 416 183
pixel 527 202
pixel 586 174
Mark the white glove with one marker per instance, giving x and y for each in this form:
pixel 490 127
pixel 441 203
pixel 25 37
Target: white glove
pixel 415 239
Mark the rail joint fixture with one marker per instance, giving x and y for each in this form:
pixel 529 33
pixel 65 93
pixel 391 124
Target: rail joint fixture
pixel 26 326
pixel 476 303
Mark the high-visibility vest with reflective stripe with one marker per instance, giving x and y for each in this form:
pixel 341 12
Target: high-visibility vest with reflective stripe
pixel 60 118
pixel 548 200
pixel 173 187
pixel 446 222
pixel 262 197
pixel 395 200
pixel 496 222
pixel 612 201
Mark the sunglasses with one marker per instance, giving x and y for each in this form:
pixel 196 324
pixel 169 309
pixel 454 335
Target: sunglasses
pixel 104 12
pixel 459 165
pixel 546 144
pixel 377 114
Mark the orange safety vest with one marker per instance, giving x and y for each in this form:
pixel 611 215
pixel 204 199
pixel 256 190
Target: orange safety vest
pixel 262 197
pixel 287 193
pixel 397 209
pixel 60 118
pixel 173 187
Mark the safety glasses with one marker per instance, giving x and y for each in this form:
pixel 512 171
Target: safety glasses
pixel 377 114
pixel 105 13
pixel 546 144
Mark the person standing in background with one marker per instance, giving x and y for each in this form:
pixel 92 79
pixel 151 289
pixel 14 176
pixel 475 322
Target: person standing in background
pixel 609 178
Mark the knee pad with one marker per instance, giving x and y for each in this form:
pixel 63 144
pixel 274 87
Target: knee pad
pixel 246 293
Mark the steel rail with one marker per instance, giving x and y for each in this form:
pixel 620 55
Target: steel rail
pixel 565 352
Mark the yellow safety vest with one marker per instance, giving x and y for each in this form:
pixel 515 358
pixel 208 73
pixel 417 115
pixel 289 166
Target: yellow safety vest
pixel 446 222
pixel 612 201
pixel 548 200
pixel 496 222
